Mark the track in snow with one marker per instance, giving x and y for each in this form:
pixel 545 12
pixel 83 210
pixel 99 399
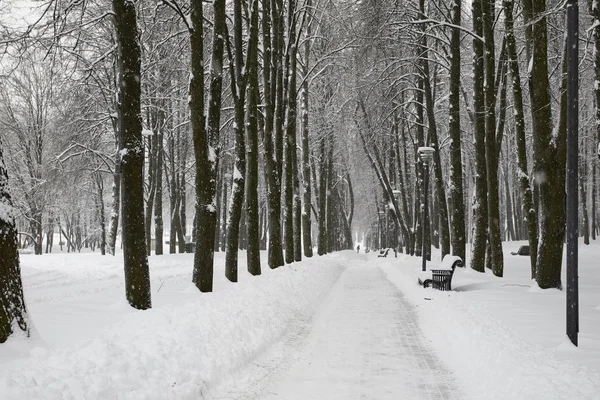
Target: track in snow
pixel 362 343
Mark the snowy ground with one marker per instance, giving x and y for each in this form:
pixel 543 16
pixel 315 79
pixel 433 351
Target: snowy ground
pixel 343 326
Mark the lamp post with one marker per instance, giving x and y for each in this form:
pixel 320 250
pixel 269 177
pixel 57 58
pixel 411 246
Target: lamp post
pixel 396 194
pixel 572 173
pixel 381 231
pixel 426 155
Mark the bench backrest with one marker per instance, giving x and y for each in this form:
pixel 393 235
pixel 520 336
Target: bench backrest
pixel 451 262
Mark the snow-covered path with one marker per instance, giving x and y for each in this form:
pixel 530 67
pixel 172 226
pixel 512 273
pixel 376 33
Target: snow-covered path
pixel 362 343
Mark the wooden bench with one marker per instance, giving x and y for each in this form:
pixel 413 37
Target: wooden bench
pixel 382 253
pixel 441 278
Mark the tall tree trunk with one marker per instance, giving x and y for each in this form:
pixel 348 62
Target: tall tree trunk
pixel 549 154
pixel 252 206
pixel 306 184
pixel 457 219
pixel 293 202
pixel 272 175
pixel 137 275
pixel 440 200
pixel 529 210
pixel 206 137
pixel 158 207
pixel 491 152
pixel 236 71
pixel 480 220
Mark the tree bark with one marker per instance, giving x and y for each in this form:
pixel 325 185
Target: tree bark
pixel 457 219
pixel 158 207
pixel 272 175
pixel 529 211
pixel 549 154
pixel 252 206
pixel 236 71
pixel 13 313
pixel 137 275
pixel 206 139
pixel 480 220
pixel 491 152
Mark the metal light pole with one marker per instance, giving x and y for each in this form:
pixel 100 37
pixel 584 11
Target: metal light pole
pixel 572 169
pixel 396 193
pixel 381 231
pixel 426 155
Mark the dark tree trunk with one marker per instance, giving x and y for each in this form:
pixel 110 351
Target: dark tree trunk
pixel 306 184
pixel 12 303
pixel 293 202
pixel 206 138
pixel 593 224
pixel 583 198
pixel 440 199
pixel 549 156
pixel 272 175
pixel 158 207
pixel 137 275
pixel 322 200
pixel 252 214
pixel 491 152
pixel 457 219
pixel 529 211
pixel 174 197
pixel 480 207
pixel 236 70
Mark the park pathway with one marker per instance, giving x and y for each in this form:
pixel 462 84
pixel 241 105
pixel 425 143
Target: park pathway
pixel 362 343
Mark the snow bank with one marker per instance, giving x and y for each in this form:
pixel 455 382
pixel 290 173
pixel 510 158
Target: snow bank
pixel 173 351
pixel 485 330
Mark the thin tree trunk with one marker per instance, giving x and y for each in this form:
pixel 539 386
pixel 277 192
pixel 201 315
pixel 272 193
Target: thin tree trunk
pixel 158 206
pixel 306 184
pixel 583 198
pixel 322 200
pixel 593 228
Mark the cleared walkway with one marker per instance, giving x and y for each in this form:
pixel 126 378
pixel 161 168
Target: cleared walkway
pixel 363 343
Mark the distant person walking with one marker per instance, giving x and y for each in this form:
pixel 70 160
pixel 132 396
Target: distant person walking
pixel 358 248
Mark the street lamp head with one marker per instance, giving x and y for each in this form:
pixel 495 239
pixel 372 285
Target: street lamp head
pixel 426 154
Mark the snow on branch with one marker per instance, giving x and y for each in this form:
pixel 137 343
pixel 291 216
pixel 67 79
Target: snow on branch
pixel 449 25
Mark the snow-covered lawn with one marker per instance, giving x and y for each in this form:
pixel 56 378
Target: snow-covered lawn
pixel 506 337
pixel 500 338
